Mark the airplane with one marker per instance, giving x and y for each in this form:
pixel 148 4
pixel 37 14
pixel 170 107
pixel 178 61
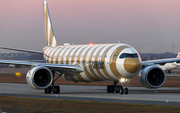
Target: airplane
pixel 170 66
pixel 87 63
pixel 178 56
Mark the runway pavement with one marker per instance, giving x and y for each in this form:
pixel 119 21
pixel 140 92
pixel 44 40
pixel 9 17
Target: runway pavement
pixel 97 93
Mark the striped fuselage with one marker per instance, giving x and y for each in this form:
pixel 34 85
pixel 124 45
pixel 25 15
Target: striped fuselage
pixel 99 61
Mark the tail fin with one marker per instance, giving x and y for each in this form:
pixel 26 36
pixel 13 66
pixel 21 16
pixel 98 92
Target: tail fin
pixel 178 56
pixel 50 38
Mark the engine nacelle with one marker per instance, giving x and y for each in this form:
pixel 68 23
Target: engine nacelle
pixel 39 77
pixel 152 77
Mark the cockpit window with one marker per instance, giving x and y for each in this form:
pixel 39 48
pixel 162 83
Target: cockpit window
pixel 128 55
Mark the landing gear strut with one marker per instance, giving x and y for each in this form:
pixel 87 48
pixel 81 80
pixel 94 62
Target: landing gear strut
pixel 124 89
pixel 169 71
pixel 118 88
pixel 53 88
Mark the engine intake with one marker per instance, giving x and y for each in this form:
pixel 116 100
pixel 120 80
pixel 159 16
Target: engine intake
pixel 152 77
pixel 39 77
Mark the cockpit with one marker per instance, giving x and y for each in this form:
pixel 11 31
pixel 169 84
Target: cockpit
pixel 128 55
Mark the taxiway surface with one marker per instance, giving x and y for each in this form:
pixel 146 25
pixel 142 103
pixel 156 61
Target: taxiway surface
pixel 97 93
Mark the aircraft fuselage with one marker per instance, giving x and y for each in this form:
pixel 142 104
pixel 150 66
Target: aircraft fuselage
pixel 99 61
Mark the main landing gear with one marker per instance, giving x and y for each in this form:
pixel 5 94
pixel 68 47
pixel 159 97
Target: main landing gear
pixel 169 71
pixel 53 88
pixel 118 88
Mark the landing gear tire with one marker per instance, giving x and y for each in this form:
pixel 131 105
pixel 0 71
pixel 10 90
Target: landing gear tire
pixel 108 89
pixel 118 88
pixel 56 89
pixel 121 90
pixel 48 90
pixel 111 89
pixel 169 71
pixel 126 90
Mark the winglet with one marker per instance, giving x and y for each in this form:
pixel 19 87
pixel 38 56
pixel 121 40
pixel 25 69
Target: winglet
pixel 50 38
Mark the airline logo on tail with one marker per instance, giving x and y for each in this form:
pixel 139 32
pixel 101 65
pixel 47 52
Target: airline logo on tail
pixel 50 38
pixel 178 56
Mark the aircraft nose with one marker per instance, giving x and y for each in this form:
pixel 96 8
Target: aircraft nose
pixel 132 65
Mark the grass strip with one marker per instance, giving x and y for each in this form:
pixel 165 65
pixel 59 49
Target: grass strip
pixel 36 105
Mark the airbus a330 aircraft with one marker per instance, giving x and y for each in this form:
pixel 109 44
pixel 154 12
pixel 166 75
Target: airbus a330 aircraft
pixel 170 66
pixel 87 63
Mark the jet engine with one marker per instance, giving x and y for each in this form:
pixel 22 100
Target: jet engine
pixel 39 77
pixel 152 77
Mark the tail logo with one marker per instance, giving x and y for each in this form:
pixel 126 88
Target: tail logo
pixel 50 38
pixel 178 56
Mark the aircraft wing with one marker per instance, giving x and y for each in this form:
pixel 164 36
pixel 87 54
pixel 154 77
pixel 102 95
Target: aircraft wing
pixel 22 50
pixel 160 61
pixel 66 69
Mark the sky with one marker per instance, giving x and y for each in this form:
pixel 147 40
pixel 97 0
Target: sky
pixel 150 26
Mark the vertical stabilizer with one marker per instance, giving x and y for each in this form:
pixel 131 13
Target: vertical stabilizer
pixel 178 56
pixel 49 33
